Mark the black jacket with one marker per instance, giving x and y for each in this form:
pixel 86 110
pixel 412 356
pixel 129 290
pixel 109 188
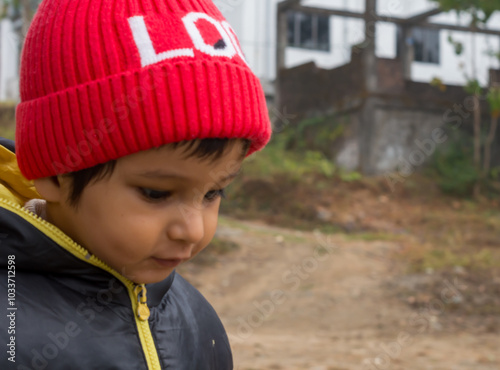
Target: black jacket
pixel 64 309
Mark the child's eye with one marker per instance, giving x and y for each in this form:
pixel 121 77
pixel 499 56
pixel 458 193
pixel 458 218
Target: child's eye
pixel 154 195
pixel 214 194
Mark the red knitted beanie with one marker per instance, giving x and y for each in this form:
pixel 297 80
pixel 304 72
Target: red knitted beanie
pixel 104 79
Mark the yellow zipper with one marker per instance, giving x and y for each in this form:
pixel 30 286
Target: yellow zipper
pixel 142 302
pixel 137 293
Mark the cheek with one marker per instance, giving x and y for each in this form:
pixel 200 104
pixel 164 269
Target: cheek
pixel 140 231
pixel 210 225
pixel 122 226
pixel 212 218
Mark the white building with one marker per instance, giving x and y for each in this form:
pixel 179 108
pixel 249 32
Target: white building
pixel 255 23
pixel 9 56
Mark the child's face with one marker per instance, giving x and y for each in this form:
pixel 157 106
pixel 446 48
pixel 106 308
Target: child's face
pixel 155 211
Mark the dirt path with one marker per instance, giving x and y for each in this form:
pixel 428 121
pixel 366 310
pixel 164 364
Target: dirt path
pixel 299 300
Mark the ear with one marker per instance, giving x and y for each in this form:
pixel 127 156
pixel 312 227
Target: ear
pixel 50 189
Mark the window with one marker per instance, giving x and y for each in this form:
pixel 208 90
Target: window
pixel 308 31
pixel 426 43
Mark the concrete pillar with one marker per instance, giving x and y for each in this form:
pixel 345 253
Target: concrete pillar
pixel 407 51
pixel 367 114
pixel 281 41
pixel 369 58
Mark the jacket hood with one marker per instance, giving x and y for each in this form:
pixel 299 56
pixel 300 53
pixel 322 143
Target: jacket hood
pixel 41 247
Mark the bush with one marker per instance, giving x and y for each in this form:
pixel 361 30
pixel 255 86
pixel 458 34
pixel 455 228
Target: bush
pixel 276 160
pixel 317 134
pixel 454 167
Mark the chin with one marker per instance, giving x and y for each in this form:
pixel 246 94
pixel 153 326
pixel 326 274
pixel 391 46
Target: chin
pixel 150 278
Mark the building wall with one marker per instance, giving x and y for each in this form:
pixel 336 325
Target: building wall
pixel 403 140
pixel 255 23
pixel 401 127
pixel 9 89
pixel 397 134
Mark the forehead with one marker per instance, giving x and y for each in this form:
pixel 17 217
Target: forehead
pixel 172 163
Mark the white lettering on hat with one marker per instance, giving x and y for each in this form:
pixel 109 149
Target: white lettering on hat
pixel 228 48
pixel 190 23
pixel 232 36
pixel 145 45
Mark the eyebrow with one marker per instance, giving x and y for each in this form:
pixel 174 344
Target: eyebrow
pixel 158 174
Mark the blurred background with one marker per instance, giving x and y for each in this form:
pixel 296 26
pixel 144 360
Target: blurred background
pixel 367 234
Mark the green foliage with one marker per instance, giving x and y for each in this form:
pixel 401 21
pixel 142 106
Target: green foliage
pixel 494 54
pixel 454 166
pixel 439 259
pixel 7 120
pixel 300 152
pixel 495 173
pixel 317 162
pixel 316 134
pixel 350 176
pixel 457 45
pixel 494 101
pixel 438 83
pixel 15 6
pixel 480 10
pixel 7 132
pixel 14 9
pixel 275 159
pixel 473 87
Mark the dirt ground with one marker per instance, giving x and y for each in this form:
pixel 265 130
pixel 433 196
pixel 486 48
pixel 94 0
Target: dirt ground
pixel 302 300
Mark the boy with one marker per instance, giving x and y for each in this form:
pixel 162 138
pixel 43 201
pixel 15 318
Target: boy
pixel 134 116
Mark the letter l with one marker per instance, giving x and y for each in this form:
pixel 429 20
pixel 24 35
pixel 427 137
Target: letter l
pixel 145 45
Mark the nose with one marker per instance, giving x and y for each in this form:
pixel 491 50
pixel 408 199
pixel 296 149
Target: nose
pixel 188 226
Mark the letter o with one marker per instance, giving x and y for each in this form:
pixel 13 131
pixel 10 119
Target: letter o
pixel 104 293
pixel 52 348
pixel 382 360
pixel 310 265
pixel 232 35
pixel 260 319
pixel 114 289
pixel 198 41
pixel 80 149
pixel 436 310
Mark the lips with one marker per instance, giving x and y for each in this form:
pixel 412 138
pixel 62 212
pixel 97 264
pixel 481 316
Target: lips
pixel 174 262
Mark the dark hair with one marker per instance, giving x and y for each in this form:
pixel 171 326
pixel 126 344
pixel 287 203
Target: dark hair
pixel 205 149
